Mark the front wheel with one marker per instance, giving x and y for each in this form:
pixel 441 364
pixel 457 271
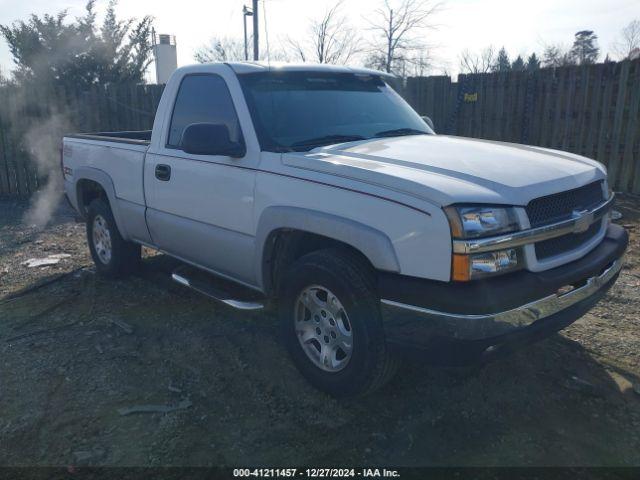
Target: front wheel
pixel 331 323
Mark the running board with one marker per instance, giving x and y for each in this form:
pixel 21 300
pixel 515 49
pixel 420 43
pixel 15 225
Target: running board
pixel 213 287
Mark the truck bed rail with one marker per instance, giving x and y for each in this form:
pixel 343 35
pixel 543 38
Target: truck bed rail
pixel 136 137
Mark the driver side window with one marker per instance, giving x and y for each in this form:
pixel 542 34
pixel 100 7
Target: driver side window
pixel 203 98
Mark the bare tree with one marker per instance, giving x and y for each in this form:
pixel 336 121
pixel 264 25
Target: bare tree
pixel 230 49
pixel 375 61
pixel 332 39
pixel 557 56
pixel 297 49
pixel 421 63
pixel 418 64
pixel 221 49
pixel 629 40
pixel 399 26
pixel 474 62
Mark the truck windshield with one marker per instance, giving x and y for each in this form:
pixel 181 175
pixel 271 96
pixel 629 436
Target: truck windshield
pixel 299 111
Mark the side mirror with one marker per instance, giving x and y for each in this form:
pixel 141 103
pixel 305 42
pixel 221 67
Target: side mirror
pixel 429 122
pixel 210 139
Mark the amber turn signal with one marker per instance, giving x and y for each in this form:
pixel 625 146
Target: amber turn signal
pixel 460 268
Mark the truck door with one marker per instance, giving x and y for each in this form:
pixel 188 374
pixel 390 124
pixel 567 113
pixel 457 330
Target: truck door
pixel 200 207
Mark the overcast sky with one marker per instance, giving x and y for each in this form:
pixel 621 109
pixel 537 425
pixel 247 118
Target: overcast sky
pixel 521 27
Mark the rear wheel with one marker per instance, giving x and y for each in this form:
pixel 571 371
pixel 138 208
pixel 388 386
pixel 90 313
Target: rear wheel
pixel 331 323
pixel 112 255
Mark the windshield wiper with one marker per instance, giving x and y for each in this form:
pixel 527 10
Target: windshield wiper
pixel 399 132
pixel 326 140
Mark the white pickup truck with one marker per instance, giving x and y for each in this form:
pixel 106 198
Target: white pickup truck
pixel 319 192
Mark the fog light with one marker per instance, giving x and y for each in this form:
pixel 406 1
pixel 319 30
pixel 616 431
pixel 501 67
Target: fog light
pixel 469 267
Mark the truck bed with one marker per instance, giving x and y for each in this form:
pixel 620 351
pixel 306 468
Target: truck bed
pixel 137 137
pixel 118 155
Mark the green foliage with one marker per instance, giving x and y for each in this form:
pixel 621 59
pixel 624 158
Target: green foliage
pixel 503 64
pixel 533 63
pixel 518 64
pixel 49 50
pixel 585 48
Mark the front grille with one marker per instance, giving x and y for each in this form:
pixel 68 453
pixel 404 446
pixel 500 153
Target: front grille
pixel 560 206
pixel 566 243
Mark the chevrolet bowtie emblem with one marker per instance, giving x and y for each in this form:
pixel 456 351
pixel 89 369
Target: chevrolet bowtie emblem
pixel 583 219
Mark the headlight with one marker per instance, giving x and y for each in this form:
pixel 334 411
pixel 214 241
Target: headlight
pixel 475 221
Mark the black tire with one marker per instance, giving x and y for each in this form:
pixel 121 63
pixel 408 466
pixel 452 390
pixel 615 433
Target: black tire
pixel 124 256
pixel 351 280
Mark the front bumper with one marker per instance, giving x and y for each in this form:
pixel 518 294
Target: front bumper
pixel 452 321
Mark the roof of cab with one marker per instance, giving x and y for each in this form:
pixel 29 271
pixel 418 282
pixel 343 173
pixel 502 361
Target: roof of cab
pixel 254 67
pixel 251 67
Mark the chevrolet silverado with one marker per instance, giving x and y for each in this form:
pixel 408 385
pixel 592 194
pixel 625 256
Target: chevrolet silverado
pixel 318 192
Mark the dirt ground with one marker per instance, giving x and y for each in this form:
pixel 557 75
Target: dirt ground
pixel 78 351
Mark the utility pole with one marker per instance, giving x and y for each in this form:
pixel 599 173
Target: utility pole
pixel 256 28
pixel 246 12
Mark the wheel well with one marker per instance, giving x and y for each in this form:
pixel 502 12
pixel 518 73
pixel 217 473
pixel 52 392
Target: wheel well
pixel 284 246
pixel 89 190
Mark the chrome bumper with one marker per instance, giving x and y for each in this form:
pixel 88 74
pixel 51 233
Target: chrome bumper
pixel 487 325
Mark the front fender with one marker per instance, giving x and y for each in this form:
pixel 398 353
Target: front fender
pixel 372 243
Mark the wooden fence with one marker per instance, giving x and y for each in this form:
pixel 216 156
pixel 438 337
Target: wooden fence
pixel 32 122
pixel 591 110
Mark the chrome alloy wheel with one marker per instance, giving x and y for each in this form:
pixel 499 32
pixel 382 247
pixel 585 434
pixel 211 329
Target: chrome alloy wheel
pixel 102 239
pixel 323 328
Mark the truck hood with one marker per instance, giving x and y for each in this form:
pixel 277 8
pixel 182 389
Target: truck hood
pixel 446 170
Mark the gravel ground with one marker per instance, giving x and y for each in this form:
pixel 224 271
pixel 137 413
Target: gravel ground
pixel 79 353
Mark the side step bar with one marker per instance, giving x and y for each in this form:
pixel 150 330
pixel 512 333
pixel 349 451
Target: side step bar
pixel 213 287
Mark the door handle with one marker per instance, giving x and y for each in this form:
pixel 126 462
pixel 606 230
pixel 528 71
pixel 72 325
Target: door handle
pixel 163 172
